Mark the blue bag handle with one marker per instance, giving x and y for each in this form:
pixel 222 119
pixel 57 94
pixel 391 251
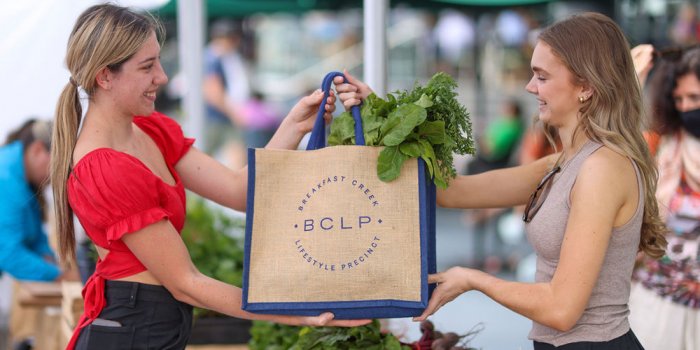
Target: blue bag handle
pixel 318 134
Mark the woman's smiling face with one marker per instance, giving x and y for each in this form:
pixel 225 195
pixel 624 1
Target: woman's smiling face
pixel 553 85
pixel 135 84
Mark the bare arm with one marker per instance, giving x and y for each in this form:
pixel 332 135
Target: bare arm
pixel 215 94
pixel 497 188
pixel 643 58
pixel 170 264
pixel 597 200
pixel 210 179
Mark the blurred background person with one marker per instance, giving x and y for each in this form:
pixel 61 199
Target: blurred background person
pixel 226 85
pixel 685 28
pixel 665 301
pixel 499 142
pixel 25 253
pixel 24 170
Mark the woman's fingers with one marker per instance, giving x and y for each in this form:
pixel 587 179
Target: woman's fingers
pixel 434 304
pixel 327 319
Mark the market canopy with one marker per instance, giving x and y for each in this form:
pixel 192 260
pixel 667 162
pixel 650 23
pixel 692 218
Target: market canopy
pixel 239 8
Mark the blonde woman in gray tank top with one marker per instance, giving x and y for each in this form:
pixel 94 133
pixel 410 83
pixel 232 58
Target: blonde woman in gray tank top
pixel 589 209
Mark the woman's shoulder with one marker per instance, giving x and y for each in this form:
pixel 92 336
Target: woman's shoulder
pixel 167 134
pixel 608 161
pixel 158 123
pixel 608 171
pixel 107 163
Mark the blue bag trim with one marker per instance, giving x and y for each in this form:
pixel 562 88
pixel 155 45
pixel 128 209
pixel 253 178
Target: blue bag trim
pixel 250 214
pixel 343 310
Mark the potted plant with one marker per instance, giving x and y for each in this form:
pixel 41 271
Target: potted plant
pixel 214 242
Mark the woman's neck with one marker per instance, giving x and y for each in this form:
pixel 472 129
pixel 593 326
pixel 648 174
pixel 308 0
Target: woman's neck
pixel 105 125
pixel 572 140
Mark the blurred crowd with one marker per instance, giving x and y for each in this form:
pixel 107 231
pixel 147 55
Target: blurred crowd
pixel 251 63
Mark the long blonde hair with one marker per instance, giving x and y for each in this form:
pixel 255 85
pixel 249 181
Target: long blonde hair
pixel 595 50
pixel 104 36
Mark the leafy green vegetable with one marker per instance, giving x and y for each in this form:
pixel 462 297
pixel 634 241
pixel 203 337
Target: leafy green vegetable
pixel 272 336
pixel 426 122
pixel 390 161
pixel 266 336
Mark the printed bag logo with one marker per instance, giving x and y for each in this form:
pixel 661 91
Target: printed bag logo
pixel 325 228
pixel 360 227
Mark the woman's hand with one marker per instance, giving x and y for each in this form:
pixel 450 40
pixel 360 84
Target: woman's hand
pixel 643 58
pixel 303 114
pixel 450 284
pixel 300 120
pixel 326 320
pixel 351 93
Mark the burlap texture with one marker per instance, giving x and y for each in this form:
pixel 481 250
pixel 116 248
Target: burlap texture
pixel 325 228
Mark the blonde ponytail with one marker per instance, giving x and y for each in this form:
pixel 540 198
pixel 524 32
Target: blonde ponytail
pixel 65 134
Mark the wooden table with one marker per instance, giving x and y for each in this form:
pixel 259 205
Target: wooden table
pixel 39 294
pixel 37 312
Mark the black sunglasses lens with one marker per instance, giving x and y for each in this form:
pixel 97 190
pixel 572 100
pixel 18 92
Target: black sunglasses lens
pixel 532 206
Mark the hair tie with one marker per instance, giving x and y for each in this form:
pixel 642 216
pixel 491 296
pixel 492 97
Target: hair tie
pixel 72 81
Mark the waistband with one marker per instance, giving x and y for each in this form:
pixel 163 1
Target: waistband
pixel 135 291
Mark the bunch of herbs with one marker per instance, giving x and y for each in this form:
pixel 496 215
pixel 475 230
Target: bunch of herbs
pixel 427 122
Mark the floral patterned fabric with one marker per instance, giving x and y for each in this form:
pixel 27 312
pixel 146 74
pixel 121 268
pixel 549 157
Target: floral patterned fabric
pixel 677 274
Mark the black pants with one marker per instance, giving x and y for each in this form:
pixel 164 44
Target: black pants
pixel 148 318
pixel 627 341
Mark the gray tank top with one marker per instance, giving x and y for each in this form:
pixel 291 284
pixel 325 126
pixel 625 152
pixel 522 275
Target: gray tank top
pixel 605 316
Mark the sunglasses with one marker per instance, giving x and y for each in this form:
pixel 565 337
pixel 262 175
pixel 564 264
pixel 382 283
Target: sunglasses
pixel 534 203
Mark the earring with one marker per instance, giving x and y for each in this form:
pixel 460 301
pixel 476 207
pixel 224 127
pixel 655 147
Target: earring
pixel 581 99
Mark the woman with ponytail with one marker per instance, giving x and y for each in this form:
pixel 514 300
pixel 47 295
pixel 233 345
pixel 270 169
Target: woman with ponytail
pixel 123 170
pixel 24 171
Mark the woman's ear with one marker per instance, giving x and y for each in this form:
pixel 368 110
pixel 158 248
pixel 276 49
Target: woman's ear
pixel 586 91
pixel 104 78
pixel 35 148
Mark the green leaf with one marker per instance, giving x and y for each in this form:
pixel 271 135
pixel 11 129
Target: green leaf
pixel 377 107
pixel 424 101
pixel 391 343
pixel 434 132
pixel 372 138
pixel 370 126
pixel 389 163
pixel 429 158
pixel 401 123
pixel 342 130
pixel 412 149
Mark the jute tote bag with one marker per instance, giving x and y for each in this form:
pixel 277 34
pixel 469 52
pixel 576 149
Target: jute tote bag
pixel 323 233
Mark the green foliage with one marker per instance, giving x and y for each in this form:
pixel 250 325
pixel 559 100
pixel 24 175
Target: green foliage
pixel 272 336
pixel 426 122
pixel 269 336
pixel 211 239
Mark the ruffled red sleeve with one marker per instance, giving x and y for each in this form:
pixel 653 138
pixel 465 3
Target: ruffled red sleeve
pixel 167 134
pixel 113 194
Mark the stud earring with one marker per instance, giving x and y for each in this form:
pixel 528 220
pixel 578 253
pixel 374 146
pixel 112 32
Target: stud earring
pixel 581 99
